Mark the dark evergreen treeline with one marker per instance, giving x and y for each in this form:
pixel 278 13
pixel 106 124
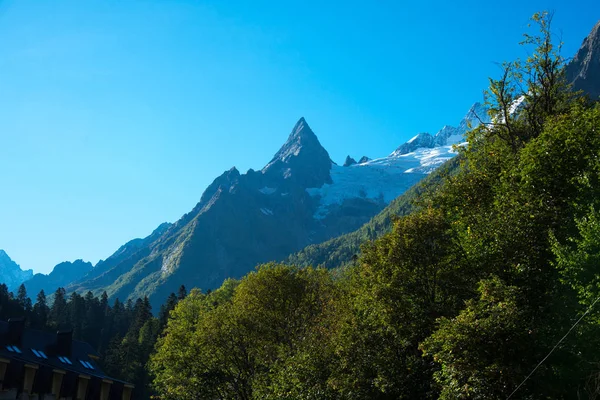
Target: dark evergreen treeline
pixel 123 333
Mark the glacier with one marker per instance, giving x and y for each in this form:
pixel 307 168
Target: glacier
pixel 384 179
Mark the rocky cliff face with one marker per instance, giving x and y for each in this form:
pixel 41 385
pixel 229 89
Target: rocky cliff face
pixel 10 273
pixel 583 72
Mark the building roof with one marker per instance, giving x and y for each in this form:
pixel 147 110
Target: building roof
pixel 32 345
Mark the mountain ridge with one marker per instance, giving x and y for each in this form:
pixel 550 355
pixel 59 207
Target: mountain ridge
pixel 11 273
pixel 242 220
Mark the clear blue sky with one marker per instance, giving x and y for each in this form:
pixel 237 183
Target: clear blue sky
pixel 115 115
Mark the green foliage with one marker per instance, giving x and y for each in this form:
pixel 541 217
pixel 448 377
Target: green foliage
pixel 471 347
pixel 239 343
pixel 456 291
pixel 403 282
pixel 579 259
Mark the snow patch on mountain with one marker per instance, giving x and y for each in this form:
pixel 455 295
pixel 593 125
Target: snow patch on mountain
pixel 381 180
pixel 386 178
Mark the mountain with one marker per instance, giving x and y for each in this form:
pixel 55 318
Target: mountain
pixel 300 198
pixel 107 271
pixel 433 151
pixel 349 161
pixel 61 275
pixel 10 273
pixel 583 72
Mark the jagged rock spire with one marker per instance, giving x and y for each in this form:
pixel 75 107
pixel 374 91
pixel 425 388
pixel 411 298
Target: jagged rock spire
pixel 301 159
pixel 349 161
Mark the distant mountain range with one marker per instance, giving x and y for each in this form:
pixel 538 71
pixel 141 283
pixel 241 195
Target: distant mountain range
pixel 62 274
pixel 300 200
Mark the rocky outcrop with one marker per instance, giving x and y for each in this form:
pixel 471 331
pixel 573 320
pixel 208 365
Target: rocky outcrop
pixel 583 72
pixel 301 161
pixel 349 161
pixel 11 273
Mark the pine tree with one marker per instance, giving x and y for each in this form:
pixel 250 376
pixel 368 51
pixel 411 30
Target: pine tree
pixel 41 311
pixel 181 293
pixel 165 310
pixel 59 310
pixel 24 300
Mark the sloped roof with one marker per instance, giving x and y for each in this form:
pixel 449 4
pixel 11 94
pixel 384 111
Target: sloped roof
pixel 47 342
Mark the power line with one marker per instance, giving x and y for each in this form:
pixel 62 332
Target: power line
pixel 555 346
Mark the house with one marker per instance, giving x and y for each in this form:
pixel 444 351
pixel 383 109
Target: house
pixel 44 366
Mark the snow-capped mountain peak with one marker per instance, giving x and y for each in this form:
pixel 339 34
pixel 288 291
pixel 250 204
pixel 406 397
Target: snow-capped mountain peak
pixel 448 135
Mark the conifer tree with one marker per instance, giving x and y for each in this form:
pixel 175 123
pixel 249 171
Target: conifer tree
pixel 181 293
pixel 40 311
pixel 59 310
pixel 24 300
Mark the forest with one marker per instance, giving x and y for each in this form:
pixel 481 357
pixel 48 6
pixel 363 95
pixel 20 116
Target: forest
pixel 486 289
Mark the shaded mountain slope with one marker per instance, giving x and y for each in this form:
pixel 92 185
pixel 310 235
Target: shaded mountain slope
pixel 584 70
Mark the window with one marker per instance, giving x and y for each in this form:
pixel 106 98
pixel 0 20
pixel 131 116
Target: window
pixel 13 349
pixel 65 360
pixel 86 364
pixel 39 354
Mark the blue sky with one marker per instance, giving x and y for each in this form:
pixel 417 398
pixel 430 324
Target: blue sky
pixel 115 115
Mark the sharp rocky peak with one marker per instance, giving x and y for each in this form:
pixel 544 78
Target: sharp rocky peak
pixel 349 161
pixel 300 137
pixel 302 159
pixel 11 273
